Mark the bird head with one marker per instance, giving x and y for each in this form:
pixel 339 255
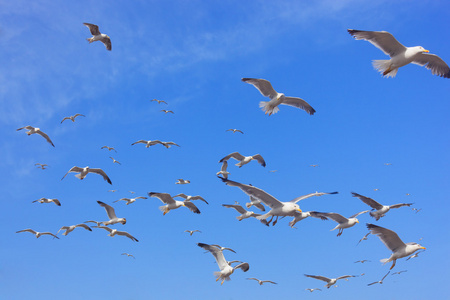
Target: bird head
pixel 123 221
pixel 423 49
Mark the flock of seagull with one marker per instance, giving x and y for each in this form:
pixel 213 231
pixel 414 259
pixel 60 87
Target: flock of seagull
pixel 271 209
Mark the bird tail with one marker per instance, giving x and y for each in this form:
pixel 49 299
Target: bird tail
pixel 263 217
pixel 217 274
pixel 384 67
pixel 89 40
pixel 78 176
pixel 163 208
pixel 248 204
pixel 268 109
pixel 385 260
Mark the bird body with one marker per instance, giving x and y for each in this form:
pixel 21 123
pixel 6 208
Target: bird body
pixel 98 36
pixel 33 130
pixel 86 170
pixel 342 221
pixel 46 200
pixel 243 160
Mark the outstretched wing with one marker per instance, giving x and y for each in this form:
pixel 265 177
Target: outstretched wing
pixel 400 205
pixel 235 155
pixel 217 253
pixel 243 266
pixel 124 233
pixel 311 195
pixel 239 208
pixel 138 142
pixel 101 172
pixel 192 207
pixel 45 136
pixel 389 238
pixel 263 86
pixel 434 63
pixel 383 40
pixel 260 159
pixel 299 103
pixel 164 197
pixel 333 216
pixel 84 226
pixel 109 210
pixel 73 169
pixel 93 28
pixel 369 201
pixel 360 213
pixel 323 278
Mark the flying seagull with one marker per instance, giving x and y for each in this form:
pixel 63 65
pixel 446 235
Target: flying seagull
pixel 41 166
pixel 312 290
pixel 244 159
pixel 147 143
pixel 113 219
pixel 129 255
pixel 414 255
pixel 343 221
pixel 173 204
pixel 97 36
pixel 391 240
pixel 190 198
pixel 223 170
pixel 379 210
pixel 255 202
pixel 72 118
pixel 225 267
pixel 69 229
pixel 271 107
pixel 113 232
pixel 46 200
pixel 191 232
pixel 130 200
pixel 112 191
pixel 399 272
pixel 36 233
pixel 167 111
pixel 182 181
pixel 33 130
pixel 381 281
pixel 115 161
pixel 261 282
pixel 109 148
pixel 234 130
pixel 298 216
pixel 363 238
pixel 400 55
pixel 329 281
pixel 361 261
pixel 159 101
pixel 244 214
pixel 86 170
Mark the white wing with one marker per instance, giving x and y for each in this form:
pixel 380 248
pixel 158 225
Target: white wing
pixel 27 230
pixel 44 135
pixel 239 208
pixel 103 227
pixel 383 40
pixel 260 159
pixel 264 86
pixel 192 207
pixel 84 226
pixel 73 169
pixel 311 195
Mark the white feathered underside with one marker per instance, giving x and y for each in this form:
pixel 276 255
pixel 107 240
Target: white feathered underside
pixel 384 260
pixel 219 274
pixel 163 208
pixel 78 176
pixel 266 107
pixel 382 65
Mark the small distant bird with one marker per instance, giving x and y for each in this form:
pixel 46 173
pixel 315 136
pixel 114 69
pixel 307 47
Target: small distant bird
pixel 388 164
pixel 167 111
pixel 112 191
pixel 72 118
pixel 416 209
pixel 271 107
pixel 343 221
pixel 190 198
pixel 234 130
pixel 255 202
pixel 33 130
pixel 414 256
pixel 69 229
pixel 159 101
pixel 391 240
pixel 273 171
pixel 244 213
pixel 329 281
pixel 129 255
pixel 261 282
pixel 113 232
pixel 115 161
pixel 312 290
pixel 223 170
pixel 363 239
pixel 378 210
pixel 361 261
pixel 169 144
pixel 147 143
pixel 381 281
pixel 408 194
pixel 86 170
pixel 36 233
pixel 244 159
pixel 41 166
pixel 376 190
pixel 182 181
pixel 399 272
pixel 97 36
pixel 46 200
pixel 131 192
pixel 191 232
pixel 173 204
pixel 314 166
pixel 113 219
pixel 130 200
pixel 109 148
pixel 400 55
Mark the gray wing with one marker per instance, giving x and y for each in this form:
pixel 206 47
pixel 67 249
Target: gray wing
pixel 243 266
pixel 268 281
pixel 192 207
pixel 345 276
pixel 93 28
pixel 56 201
pixel 224 166
pixel 27 230
pixel 73 169
pixel 357 214
pixel 369 201
pixel 103 227
pixel 45 136
pixel 334 216
pixel 260 159
pixel 235 155
pixel 389 238
pixel 140 141
pixel 140 197
pixel 49 233
pixel 434 63
pixel 109 210
pixel 101 172
pixel 217 253
pixel 84 226
pixel 383 40
pixel 323 278
pixel 223 248
pixel 79 115
pixel 299 103
pixel 65 118
pixel 257 203
pixel 184 196
pixel 312 195
pixel 239 208
pixel 385 276
pixel 164 197
pixel 400 205
pixel 255 192
pixel 124 233
pixel 107 43
pixel 26 127
pixel 264 86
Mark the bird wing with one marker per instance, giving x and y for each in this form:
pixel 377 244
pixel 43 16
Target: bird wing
pixel 65 118
pixel 400 205
pixel 103 227
pixel 84 226
pixel 49 233
pixel 243 266
pixel 235 155
pixel 268 281
pixel 260 159
pixel 93 28
pixel 312 195
pixel 45 136
pixel 73 169
pixel 217 253
pixel 264 86
pixel 373 283
pixel 323 278
pixel 199 198
pixel 101 172
pixel 434 63
pixel 345 276
pixel 239 208
pixel 56 201
pixel 140 197
pixel 357 214
pixel 385 275
pixel 192 207
pixel 224 166
pixel 79 115
pixel 257 193
pixel 389 238
pixel 124 233
pixel 26 127
pixel 109 210
pixel 27 230
pixel 383 40
pixel 223 248
pixel 184 196
pixel 259 206
pixel 318 215
pixel 240 131
pixel 107 42
pixel 299 103
pixel 334 216
pixel 369 201
pixel 253 279
pixel 164 197
pixel 140 141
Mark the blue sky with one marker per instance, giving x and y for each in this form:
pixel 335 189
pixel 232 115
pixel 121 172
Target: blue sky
pixel 193 54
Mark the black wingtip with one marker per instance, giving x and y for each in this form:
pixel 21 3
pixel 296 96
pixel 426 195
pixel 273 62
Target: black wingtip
pixel 333 193
pixel 100 202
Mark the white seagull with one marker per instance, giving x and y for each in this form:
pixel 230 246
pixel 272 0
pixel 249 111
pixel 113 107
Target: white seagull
pixel 113 219
pixel 379 210
pixel 234 130
pixel 69 229
pixel 363 238
pixel 33 130
pixel 36 233
pixel 261 282
pixel 41 166
pixel 46 200
pixel 255 202
pixel 271 107
pixel 129 255
pixel 147 143
pixel 244 159
pixel 244 213
pixel 329 281
pixel 159 101
pixel 109 148
pixel 113 232
pixel 72 118
pixel 312 290
pixel 381 281
pixel 115 161
pixel 130 200
pixel 182 181
pixel 173 204
pixel 190 198
pixel 225 267
pixel 86 170
pixel 97 36
pixel 361 261
pixel 167 111
pixel 343 221
pixel 191 232
pixel 391 240
pixel 400 55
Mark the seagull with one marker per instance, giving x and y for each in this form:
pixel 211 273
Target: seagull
pixel 329 281
pixel 414 255
pixel 244 159
pixel 72 117
pixel 46 200
pixel 132 192
pixel 191 232
pixel 381 281
pixel 69 229
pixel 262 281
pixel 234 130
pixel 109 148
pixel 129 255
pixel 169 144
pixel 190 198
pixel 378 210
pixel 255 202
pixel 159 101
pixel 391 240
pixel 416 209
pixel 113 232
pixel 244 213
pixel 147 143
pixel 167 111
pixel 313 166
pixel 276 99
pixel 376 190
pixel 130 200
pixel 312 290
pixel 33 130
pixel 388 164
pixel 84 171
pixel 97 36
pixel 112 191
pixel 303 215
pixel 173 204
pixel 363 238
pixel 400 55
pixel 223 170
pixel 343 221
pixel 182 181
pixel 225 268
pixel 273 171
pixel 113 219
pixel 224 248
pixel 399 272
pixel 361 261
pixel 42 166
pixel 36 233
pixel 115 161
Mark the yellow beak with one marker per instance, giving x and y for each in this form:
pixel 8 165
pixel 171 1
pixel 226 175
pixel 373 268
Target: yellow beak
pixel 299 210
pixel 423 248
pixel 357 221
pixel 426 51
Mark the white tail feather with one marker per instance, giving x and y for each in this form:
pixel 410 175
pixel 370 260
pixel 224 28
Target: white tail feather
pixel 78 176
pixel 248 204
pixel 267 108
pixel 163 208
pixel 384 260
pixel 382 66
pixel 263 217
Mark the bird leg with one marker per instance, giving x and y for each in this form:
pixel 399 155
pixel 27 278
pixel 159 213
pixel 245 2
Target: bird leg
pixel 275 222
pixel 340 232
pixel 393 264
pixel 387 71
pixel 166 211
pixel 269 221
